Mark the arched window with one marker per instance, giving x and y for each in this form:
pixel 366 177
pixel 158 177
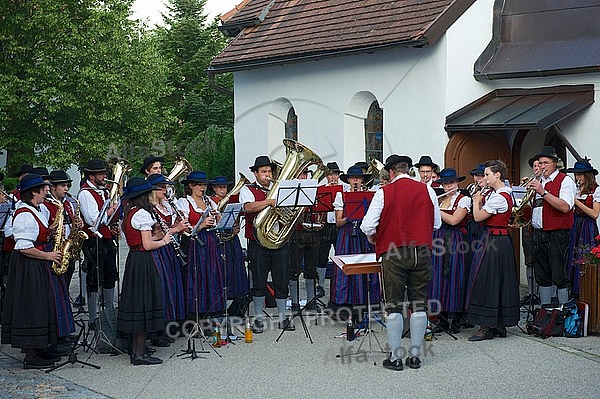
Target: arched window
pixel 291 125
pixel 374 132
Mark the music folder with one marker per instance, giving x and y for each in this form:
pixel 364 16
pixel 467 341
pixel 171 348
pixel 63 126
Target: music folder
pixel 228 217
pixel 357 263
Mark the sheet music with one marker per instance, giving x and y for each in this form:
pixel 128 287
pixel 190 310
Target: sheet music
pixel 359 258
pixel 290 194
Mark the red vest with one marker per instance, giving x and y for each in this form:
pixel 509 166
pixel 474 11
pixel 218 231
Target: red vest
pixel 498 223
pixel 554 219
pixel 168 219
pixel 43 231
pixel 259 195
pixel 104 230
pixel 193 216
pixel 587 201
pixel 132 236
pixel 407 216
pixel 463 223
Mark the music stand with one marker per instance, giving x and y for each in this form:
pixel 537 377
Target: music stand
pixel 226 225
pixel 297 193
pixel 361 264
pixel 356 204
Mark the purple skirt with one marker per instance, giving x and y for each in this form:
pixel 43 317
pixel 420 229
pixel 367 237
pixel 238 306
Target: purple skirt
pixel 583 233
pixel 447 288
pixel 169 270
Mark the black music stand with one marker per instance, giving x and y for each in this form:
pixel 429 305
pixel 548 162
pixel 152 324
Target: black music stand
pixel 297 193
pixel 362 264
pixel 226 225
pixel 72 359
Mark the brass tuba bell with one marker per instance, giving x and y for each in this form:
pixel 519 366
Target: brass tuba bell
pixel 273 226
pixel 181 167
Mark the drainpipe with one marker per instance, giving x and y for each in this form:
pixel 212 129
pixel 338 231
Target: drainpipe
pixel 214 85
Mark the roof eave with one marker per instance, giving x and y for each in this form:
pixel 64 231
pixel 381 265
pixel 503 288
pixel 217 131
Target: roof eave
pixel 416 43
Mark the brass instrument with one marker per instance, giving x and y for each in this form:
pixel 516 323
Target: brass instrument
pixel 77 236
pixel 60 267
pixel 181 167
pixel 120 167
pixel 318 224
pixel 223 204
pixel 274 225
pixel 374 169
pixel 518 219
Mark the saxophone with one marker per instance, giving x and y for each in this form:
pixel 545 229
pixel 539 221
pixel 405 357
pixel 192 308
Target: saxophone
pixel 76 237
pixel 58 225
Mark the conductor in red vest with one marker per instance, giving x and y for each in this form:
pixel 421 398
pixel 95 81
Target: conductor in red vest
pixel 264 260
pixel 400 222
pixel 552 219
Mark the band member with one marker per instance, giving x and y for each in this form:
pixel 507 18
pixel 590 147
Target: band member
pixel 351 289
pixel 60 284
pixel 400 223
pixel 327 237
pixel 264 260
pixel 526 238
pixel 231 248
pixel 304 250
pixel 552 221
pixel 140 310
pixel 99 250
pixel 426 167
pixel 447 287
pixel 585 229
pixel 28 319
pixel 168 264
pixel 204 276
pixel 493 292
pixel 152 165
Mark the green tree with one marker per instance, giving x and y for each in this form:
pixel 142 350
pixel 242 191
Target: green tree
pixel 203 115
pixel 75 77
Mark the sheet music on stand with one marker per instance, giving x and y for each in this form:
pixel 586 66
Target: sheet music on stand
pixel 228 217
pixel 297 192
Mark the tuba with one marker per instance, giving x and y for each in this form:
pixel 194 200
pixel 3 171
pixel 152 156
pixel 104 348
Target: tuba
pixel 273 226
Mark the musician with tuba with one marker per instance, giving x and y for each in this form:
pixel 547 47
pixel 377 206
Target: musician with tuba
pixel 29 315
pixel 263 260
pixel 447 287
pixel 238 286
pixel 204 274
pixel 99 250
pixel 349 290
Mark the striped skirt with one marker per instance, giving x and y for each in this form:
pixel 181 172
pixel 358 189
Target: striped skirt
pixel 352 290
pixel 447 286
pixel 169 270
pixel 62 303
pixel 583 233
pixel 235 268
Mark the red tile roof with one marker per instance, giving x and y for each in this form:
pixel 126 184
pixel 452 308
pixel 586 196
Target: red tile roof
pixel 276 31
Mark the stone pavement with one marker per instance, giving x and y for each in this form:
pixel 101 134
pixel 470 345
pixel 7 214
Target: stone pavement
pixel 519 366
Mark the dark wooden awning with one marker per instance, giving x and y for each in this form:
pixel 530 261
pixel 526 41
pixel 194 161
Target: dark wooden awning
pixel 539 108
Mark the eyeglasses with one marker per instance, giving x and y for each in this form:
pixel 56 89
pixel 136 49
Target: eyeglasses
pixel 546 162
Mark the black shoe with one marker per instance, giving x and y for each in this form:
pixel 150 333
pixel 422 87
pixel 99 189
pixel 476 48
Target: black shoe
pixel 395 365
pixel 287 325
pixel 481 335
pixel 60 349
pixel 37 362
pixel 320 292
pixel 465 324
pixel 312 307
pixel 441 326
pixel 79 302
pixel 258 327
pixel 170 340
pixel 454 326
pixel 161 342
pixel 46 355
pixel 295 308
pixel 150 350
pixel 145 360
pixel 413 362
pixel 499 332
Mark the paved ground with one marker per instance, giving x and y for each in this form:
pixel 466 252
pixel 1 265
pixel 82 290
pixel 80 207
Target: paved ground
pixel 519 366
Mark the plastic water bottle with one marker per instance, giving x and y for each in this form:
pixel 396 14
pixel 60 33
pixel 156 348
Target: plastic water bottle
pixel 248 332
pixel 217 336
pixel 350 329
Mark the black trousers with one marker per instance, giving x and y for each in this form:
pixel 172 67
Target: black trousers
pixel 100 252
pixel 326 238
pixel 549 253
pixel 264 260
pixel 303 246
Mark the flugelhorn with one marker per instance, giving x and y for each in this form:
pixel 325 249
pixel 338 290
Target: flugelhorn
pixel 181 167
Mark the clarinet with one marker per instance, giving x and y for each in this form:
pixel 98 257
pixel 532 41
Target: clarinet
pixel 178 252
pixel 179 214
pixel 354 232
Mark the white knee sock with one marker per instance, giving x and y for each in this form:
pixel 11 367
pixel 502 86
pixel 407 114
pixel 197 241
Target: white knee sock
pixel 418 325
pixel 321 271
pixel 293 286
pixel 281 308
pixel 259 306
pixel 93 305
pixel 109 298
pixel 310 288
pixel 395 326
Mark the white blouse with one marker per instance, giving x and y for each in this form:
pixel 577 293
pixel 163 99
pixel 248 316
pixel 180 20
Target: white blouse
pixel 25 226
pixel 496 203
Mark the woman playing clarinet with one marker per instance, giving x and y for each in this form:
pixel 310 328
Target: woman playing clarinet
pixel 351 290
